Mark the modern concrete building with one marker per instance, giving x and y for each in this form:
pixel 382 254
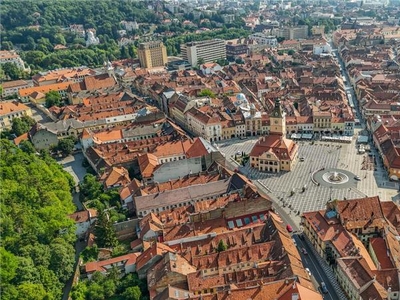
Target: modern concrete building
pixel 203 51
pixel 291 33
pixel 152 54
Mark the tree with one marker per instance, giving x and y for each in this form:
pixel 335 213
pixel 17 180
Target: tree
pixel 221 246
pixel 27 147
pixel 7 45
pixel 200 61
pixel 8 265
pixel 53 98
pixel 12 71
pixel 66 146
pixel 31 291
pixel 105 232
pixel 62 259
pixel 22 125
pixel 132 293
pixel 90 187
pixel 207 93
pixel 36 231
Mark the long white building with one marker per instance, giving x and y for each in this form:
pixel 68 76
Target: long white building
pixel 203 51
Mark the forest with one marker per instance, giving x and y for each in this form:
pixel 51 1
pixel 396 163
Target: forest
pixel 37 253
pixel 36 27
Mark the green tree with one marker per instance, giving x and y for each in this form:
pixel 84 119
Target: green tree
pixel 132 293
pixel 31 291
pixel 221 246
pixel 90 187
pixel 200 61
pixel 59 39
pixel 66 145
pixel 7 45
pixel 12 71
pixel 207 93
pixel 36 231
pixel 62 259
pixel 53 98
pixel 105 232
pixel 27 147
pixel 8 265
pixel 22 125
pixel 18 127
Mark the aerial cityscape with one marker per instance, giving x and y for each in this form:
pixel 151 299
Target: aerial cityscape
pixel 200 149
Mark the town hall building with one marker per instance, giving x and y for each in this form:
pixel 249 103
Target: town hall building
pixel 274 152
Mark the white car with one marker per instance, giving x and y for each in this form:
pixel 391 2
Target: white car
pixel 308 271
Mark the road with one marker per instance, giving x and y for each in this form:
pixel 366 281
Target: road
pixel 311 260
pixel 73 165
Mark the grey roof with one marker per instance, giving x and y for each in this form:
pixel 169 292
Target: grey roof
pixel 210 148
pixel 64 125
pixel 186 194
pixel 141 130
pixel 236 183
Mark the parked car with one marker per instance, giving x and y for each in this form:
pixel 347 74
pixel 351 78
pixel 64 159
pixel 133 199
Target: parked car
pixel 308 271
pixel 289 228
pixel 323 287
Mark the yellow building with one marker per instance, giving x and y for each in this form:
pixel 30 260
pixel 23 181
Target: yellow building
pixel 11 110
pixel 152 54
pixel 274 152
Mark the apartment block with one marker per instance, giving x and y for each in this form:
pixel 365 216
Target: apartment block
pixel 291 33
pixel 203 51
pixel 152 54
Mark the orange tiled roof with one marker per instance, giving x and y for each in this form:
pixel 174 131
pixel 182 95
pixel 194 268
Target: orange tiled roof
pixel 12 107
pixel 103 266
pixel 279 145
pixel 116 176
pixel 44 89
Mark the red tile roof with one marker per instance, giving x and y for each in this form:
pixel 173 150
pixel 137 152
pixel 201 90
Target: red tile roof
pixel 283 148
pixel 101 266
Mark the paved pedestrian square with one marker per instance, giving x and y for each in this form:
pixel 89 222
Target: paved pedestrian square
pixel 287 188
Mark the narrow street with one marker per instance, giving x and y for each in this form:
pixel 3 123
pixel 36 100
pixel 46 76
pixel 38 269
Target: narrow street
pixel 73 165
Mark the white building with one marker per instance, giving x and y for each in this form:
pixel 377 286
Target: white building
pixel 91 39
pixel 129 26
pixel 210 68
pixel 263 39
pixel 204 51
pixel 12 57
pixel 323 48
pixel 83 220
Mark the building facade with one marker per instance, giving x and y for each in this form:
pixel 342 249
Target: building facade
pixel 274 153
pixel 203 51
pixel 11 110
pixel 152 54
pixel 12 57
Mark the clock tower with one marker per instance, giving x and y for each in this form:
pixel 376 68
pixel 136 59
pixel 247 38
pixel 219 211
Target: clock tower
pixel 277 120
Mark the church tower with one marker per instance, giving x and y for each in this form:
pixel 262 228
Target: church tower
pixel 277 120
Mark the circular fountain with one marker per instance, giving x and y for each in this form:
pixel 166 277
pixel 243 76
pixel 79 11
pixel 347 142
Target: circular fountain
pixel 335 177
